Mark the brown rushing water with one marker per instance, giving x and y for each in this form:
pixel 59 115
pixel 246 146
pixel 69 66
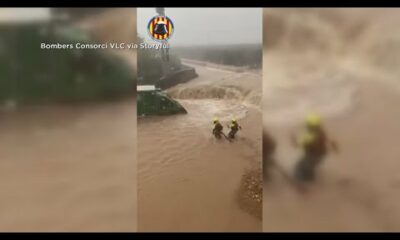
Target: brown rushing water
pixel 69 168
pixel 340 63
pixel 188 181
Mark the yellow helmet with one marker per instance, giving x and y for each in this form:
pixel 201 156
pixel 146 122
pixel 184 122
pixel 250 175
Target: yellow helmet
pixel 215 120
pixel 233 120
pixel 313 120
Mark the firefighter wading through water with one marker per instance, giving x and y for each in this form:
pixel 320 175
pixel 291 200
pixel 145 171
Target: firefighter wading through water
pixel 234 126
pixel 315 147
pixel 217 130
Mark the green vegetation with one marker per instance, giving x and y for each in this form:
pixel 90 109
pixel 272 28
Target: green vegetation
pixel 157 103
pixel 31 74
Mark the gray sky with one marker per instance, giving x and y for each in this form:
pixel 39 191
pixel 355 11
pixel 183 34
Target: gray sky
pixel 23 14
pixel 208 26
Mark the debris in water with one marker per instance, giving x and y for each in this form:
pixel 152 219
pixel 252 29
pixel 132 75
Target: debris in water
pixel 250 192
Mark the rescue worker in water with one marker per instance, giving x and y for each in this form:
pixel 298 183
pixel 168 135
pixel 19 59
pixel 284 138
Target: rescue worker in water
pixel 315 146
pixel 235 127
pixel 217 130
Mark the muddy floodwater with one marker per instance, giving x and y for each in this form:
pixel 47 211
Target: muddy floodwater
pixel 188 180
pixel 341 64
pixel 69 168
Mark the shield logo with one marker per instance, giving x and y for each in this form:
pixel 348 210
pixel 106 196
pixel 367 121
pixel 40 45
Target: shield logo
pixel 160 28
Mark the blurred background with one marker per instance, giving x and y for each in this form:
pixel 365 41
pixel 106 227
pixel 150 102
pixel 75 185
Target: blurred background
pixel 67 121
pixel 343 65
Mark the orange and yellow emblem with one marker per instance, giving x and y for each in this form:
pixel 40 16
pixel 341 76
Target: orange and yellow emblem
pixel 160 28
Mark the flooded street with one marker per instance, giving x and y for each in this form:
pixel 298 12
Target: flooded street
pixel 188 180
